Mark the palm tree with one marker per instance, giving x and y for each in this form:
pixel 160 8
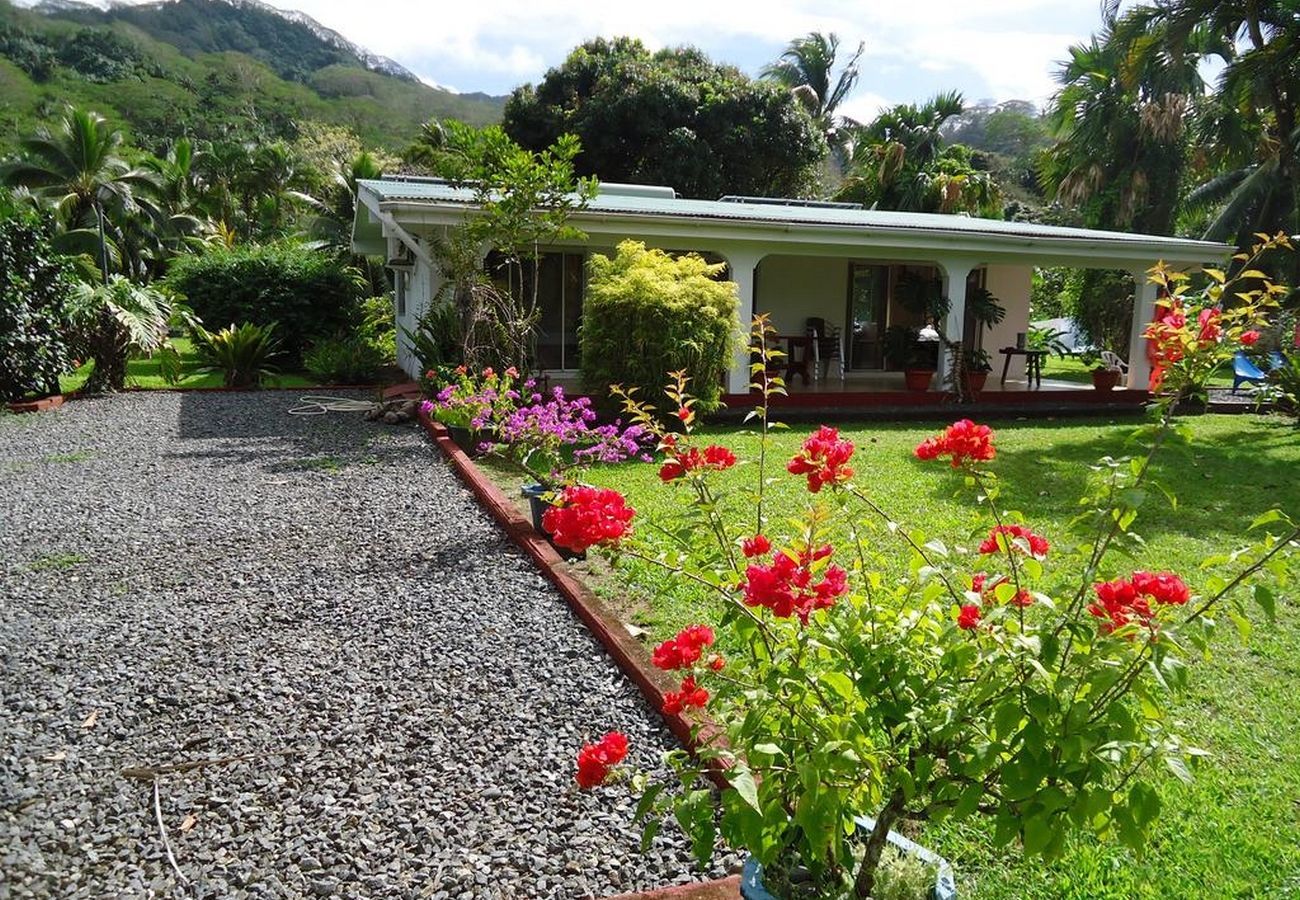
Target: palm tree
pixel 807 68
pixel 1251 128
pixel 76 169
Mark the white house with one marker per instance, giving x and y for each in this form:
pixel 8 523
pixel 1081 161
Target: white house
pixel 793 259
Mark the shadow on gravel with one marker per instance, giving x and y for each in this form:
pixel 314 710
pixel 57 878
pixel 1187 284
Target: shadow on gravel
pixel 256 429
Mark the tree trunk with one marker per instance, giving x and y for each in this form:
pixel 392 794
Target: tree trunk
pixel 865 883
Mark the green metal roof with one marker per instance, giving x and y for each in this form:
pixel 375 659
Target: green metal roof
pixel 659 202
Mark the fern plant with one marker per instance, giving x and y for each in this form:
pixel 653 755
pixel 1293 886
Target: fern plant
pixel 241 353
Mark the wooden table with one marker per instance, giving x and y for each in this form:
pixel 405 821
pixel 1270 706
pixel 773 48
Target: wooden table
pixel 803 365
pixel 1033 363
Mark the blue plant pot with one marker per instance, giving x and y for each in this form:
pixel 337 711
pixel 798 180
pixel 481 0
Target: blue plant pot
pixel 945 885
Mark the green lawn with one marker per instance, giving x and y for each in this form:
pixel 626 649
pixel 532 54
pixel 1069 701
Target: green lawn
pixel 147 373
pixel 1070 368
pixel 1235 832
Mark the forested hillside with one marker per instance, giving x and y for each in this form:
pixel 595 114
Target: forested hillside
pixel 209 69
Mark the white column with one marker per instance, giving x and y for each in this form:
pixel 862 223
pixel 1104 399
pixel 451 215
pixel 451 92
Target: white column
pixel 1144 311
pixel 954 273
pixel 742 264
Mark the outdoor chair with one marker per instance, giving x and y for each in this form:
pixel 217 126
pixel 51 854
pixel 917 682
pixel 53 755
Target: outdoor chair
pixel 1243 370
pixel 827 346
pixel 1112 361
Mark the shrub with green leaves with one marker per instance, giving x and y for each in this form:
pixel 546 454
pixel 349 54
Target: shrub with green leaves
pixel 345 360
pixel 118 319
pixel 35 318
pixel 307 294
pixel 646 314
pixel 241 353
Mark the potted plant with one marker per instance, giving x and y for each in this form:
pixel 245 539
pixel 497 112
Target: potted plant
pixel 1014 679
pixel 471 406
pixel 975 370
pixel 1105 376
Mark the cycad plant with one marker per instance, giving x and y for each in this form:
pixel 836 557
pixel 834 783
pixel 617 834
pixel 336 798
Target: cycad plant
pixel 241 353
pixel 116 320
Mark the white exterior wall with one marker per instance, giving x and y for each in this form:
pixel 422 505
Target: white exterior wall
pixel 796 288
pixel 1011 285
pixel 421 285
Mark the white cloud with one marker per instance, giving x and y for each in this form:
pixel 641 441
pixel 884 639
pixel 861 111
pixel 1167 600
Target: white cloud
pixel 997 48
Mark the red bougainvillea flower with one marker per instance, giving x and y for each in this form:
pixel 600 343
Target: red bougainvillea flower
pixel 682 651
pixel 596 760
pixel 1210 328
pixel 690 695
pixel 461 370
pixel 686 414
pixel 962 441
pixel 681 462
pixel 981 584
pixel 718 662
pixel 824 459
pixel 1166 332
pixel 512 372
pixel 488 372
pixel 587 517
pixel 1163 587
pixel 758 545
pixel 968 618
pixel 1018 538
pixel 789 587
pixel 1250 338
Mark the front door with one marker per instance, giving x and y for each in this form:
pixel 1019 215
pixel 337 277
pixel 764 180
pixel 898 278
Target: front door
pixel 868 295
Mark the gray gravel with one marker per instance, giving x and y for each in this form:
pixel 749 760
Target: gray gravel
pixel 199 576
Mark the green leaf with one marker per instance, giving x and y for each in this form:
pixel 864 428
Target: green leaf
pixel 647 802
pixel 1179 768
pixel 1273 515
pixel 742 780
pixel 1266 600
pixel 969 801
pixel 769 749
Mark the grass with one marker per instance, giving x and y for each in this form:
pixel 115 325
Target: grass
pixel 1072 369
pixel 1234 832
pixel 146 373
pixel 55 562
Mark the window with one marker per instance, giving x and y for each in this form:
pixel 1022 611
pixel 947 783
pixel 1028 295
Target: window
pixel 559 301
pixel 399 290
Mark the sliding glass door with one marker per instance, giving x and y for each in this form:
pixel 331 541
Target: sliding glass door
pixel 868 297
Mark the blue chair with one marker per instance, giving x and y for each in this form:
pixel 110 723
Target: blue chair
pixel 1276 360
pixel 1243 370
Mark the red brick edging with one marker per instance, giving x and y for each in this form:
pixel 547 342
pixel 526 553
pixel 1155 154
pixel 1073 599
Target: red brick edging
pixel 607 628
pixel 31 406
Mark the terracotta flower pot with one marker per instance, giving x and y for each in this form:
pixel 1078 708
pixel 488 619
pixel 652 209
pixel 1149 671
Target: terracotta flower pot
pixel 918 379
pixel 1105 379
pixel 975 381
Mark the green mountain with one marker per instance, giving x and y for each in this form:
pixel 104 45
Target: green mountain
pixel 209 69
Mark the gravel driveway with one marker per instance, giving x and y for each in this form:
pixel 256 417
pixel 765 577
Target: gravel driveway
pixel 201 576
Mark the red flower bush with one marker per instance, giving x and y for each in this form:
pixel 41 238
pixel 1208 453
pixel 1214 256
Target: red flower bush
pixel 963 441
pixel 979 585
pixel 824 459
pixel 1017 538
pixel 788 586
pixel 587 517
pixel 1211 328
pixel 596 760
pixel 684 650
pixel 690 695
pixel 969 617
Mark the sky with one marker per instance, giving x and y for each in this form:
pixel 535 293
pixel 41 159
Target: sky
pixel 987 49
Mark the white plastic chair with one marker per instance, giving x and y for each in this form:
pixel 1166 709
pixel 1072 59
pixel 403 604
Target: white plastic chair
pixel 1113 361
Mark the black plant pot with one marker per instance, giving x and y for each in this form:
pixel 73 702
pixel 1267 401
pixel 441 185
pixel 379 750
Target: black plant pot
pixel 537 505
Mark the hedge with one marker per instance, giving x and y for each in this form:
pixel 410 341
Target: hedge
pixel 646 314
pixel 308 294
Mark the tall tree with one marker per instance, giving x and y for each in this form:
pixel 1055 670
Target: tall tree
pixel 900 162
pixel 807 68
pixel 77 168
pixel 1250 130
pixel 672 117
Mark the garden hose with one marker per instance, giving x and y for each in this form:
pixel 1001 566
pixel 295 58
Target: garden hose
pixel 319 405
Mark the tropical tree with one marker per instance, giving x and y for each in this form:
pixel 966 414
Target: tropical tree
pixel 807 69
pixel 77 168
pixel 900 162
pixel 670 117
pixel 1249 131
